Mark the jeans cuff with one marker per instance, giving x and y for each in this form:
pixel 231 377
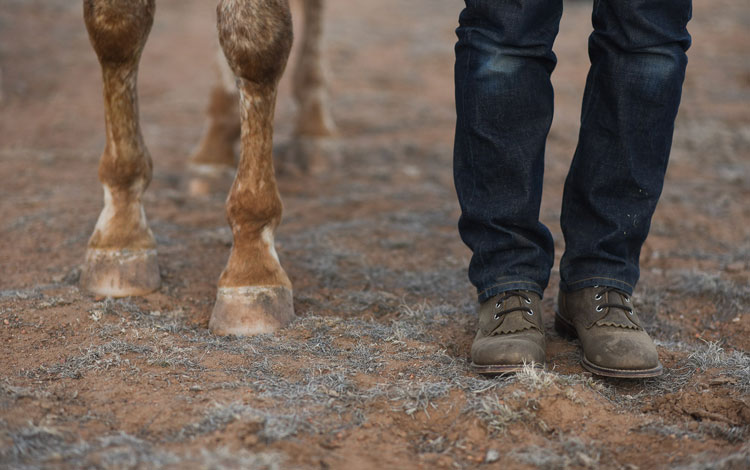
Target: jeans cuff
pixel 596 281
pixel 505 286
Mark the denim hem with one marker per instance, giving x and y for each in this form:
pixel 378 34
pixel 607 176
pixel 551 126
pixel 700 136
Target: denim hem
pixel 520 284
pixel 597 281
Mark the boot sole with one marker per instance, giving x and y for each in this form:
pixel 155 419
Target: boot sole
pixel 498 369
pixel 566 329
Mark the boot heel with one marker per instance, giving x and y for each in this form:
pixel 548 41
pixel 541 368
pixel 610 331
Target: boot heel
pixel 564 328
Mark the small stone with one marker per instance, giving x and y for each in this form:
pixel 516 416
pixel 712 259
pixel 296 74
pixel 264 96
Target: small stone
pixel 492 456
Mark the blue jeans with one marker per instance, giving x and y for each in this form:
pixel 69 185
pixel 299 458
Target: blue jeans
pixel 504 104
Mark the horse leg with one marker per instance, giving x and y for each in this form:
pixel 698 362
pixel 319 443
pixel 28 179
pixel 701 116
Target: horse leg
pixel 212 164
pixel 312 149
pixel 254 294
pixel 121 255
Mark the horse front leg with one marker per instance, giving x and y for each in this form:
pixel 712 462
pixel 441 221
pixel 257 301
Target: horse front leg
pixel 254 294
pixel 121 255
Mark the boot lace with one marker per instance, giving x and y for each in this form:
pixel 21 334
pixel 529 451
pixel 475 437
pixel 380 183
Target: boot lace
pixel 604 290
pixel 521 308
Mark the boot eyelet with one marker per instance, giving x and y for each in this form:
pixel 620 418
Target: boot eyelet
pixel 598 297
pixel 531 312
pixel 497 305
pixel 497 317
pixel 528 301
pixel 599 308
pixel 627 299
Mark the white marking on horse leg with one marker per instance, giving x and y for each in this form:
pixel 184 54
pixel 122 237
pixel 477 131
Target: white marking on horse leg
pixel 267 237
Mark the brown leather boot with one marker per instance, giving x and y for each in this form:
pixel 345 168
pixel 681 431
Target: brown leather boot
pixel 612 337
pixel 510 334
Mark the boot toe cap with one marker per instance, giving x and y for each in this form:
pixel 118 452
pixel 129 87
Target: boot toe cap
pixel 496 350
pixel 622 351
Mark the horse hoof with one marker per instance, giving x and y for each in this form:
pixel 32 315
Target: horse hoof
pixel 252 310
pixel 120 273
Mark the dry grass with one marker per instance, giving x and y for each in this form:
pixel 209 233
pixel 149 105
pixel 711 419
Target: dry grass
pixel 735 364
pixel 729 297
pixel 38 447
pixel 562 454
pixel 736 460
pixel 498 415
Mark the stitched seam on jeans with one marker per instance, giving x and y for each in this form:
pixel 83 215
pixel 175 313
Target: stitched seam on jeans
pixel 506 283
pixel 599 277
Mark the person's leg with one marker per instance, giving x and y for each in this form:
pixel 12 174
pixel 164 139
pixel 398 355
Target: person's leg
pixel 504 110
pixel 630 103
pixel 633 90
pixel 504 104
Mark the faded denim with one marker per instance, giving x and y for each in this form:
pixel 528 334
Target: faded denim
pixel 504 105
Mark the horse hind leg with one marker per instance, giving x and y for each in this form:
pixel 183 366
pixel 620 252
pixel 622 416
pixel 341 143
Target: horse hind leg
pixel 212 164
pixel 254 294
pixel 313 148
pixel 121 254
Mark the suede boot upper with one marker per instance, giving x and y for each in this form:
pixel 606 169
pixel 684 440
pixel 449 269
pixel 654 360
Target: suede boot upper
pixel 612 336
pixel 510 333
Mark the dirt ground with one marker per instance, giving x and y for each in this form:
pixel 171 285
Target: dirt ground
pixel 375 372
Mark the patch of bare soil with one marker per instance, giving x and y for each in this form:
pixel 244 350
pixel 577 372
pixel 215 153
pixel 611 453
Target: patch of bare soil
pixel 375 372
